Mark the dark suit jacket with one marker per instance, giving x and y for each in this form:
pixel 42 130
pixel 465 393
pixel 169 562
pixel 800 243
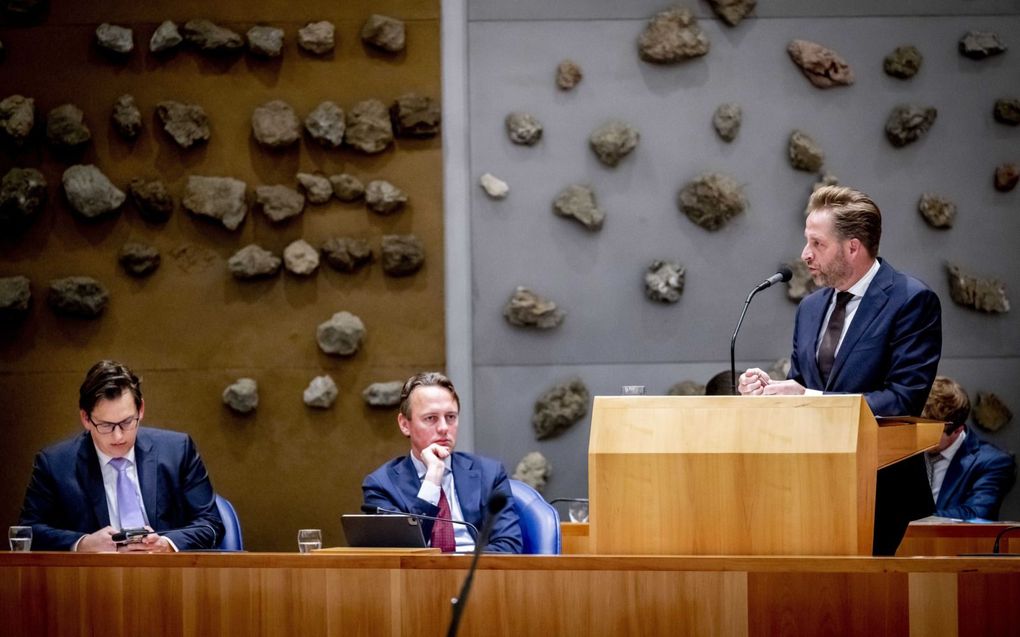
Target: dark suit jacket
pixel 891 351
pixel 66 499
pixel 977 479
pixel 395 486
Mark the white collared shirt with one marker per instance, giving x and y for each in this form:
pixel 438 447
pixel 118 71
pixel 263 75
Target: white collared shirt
pixel 858 290
pixel 429 492
pixel 939 464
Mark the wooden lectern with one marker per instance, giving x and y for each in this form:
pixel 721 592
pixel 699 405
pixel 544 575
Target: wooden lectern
pixel 734 475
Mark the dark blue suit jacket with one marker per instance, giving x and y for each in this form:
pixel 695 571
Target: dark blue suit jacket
pixel 977 479
pixel 66 499
pixel 395 486
pixel 891 351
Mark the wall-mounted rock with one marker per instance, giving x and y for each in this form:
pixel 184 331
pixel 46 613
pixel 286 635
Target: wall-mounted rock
pixel 672 36
pixel 908 122
pixel 368 127
pixel 383 395
pixel 253 262
pixel 533 470
pixel 826 179
pixel 415 116
pixel 804 153
pixel 115 39
pixel 1007 110
pixel 318 38
pixel 990 412
pixel 17 117
pixel 686 388
pixel 402 254
pixel 984 295
pixel 822 66
pixel 321 393
pixel 347 254
pixel 24 10
pixel 265 42
pixel 77 296
pixel 493 186
pixel 220 198
pixel 733 12
pixel 523 128
pixel 559 407
pixel 317 187
pixel 65 127
pixel 727 120
pixel 127 118
pixel 978 45
pixel 384 33
pixel 22 196
pixel 185 123
pixel 779 370
pixel 801 284
pixel 347 187
pixel 279 202
pixel 938 211
pixel 90 192
pixel 211 38
pixel 15 297
pixel 153 200
pixel 904 62
pixel 326 125
pixel 568 75
pixel 275 124
pixel 167 37
pixel 341 334
pixel 711 200
pixel 527 309
pixel 138 259
pixel 664 281
pixel 384 198
pixel 242 395
pixel 301 258
pixel 1006 177
pixel 577 202
pixel 613 141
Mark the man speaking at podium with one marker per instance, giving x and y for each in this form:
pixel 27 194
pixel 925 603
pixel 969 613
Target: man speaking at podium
pixel 870 330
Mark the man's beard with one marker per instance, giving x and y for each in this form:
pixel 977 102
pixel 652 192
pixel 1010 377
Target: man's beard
pixel 837 272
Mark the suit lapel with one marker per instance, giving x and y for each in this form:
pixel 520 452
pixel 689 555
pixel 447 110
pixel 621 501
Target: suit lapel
pixel 405 477
pixel 869 309
pixel 958 469
pixel 147 459
pixel 469 487
pixel 90 477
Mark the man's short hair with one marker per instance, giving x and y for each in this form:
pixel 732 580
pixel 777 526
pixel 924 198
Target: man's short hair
pixel 854 214
pixel 720 385
pixel 424 379
pixel 108 379
pixel 947 401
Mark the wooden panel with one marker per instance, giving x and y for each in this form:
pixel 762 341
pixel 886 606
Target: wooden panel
pixel 933 610
pixel 951 539
pixel 899 441
pixel 988 603
pixel 574 538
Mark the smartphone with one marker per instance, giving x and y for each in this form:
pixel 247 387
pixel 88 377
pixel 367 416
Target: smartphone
pixel 130 536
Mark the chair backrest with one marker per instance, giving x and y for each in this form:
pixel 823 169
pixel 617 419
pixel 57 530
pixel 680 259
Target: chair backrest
pixel 540 523
pixel 231 526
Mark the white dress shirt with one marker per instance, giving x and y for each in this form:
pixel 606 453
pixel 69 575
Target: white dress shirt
pixel 938 464
pixel 430 493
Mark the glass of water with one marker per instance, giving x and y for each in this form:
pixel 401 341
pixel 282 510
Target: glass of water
pixel 633 390
pixel 20 538
pixel 578 511
pixel 309 540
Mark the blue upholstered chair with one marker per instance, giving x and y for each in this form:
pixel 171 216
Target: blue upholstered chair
pixel 231 526
pixel 540 523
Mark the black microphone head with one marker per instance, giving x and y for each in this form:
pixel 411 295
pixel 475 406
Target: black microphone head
pixel 786 273
pixel 496 503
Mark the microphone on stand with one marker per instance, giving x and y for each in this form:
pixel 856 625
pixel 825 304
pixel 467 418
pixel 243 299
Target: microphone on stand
pixel 783 275
pixel 496 503
pixel 422 516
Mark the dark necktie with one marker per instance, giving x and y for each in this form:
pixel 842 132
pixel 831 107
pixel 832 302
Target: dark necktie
pixel 827 352
pixel 442 530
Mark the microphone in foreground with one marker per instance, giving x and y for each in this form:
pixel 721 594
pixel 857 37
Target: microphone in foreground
pixel 422 516
pixel 783 274
pixel 496 503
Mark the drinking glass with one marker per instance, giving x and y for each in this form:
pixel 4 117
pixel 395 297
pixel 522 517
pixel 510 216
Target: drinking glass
pixel 633 390
pixel 20 538
pixel 309 540
pixel 578 511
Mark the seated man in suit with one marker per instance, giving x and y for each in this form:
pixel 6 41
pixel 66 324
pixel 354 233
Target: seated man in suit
pixel 118 475
pixel 969 477
pixel 436 481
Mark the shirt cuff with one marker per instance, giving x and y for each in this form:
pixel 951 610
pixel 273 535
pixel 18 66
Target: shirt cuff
pixel 171 543
pixel 429 492
pixel 74 547
pixel 813 392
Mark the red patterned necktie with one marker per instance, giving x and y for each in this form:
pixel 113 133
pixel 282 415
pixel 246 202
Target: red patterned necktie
pixel 442 530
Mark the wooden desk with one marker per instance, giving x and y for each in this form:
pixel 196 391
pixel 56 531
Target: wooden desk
pixel 952 539
pixel 338 594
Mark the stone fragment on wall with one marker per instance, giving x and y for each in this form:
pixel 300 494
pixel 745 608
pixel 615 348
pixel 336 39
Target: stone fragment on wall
pixel 153 200
pixel 577 202
pixel 727 120
pixel 804 152
pixel 253 262
pixel 402 254
pixel 90 192
pixel 733 12
pixel 826 179
pixel 347 187
pixel 185 123
pixel 25 10
pixel 167 37
pixel 275 124
pixel 672 36
pixel 220 198
pixel 523 128
pixel 15 297
pixel 318 38
pixel 347 254
pixel 22 197
pixel 77 297
pixel 326 125
pixel 800 284
pixel 415 116
pixel 908 122
pixel 527 309
pixel 711 200
pixel 242 395
pixel 384 33
pixel 779 370
pixel 317 187
pixel 210 37
pixel 66 128
pixel 938 211
pixel 686 388
pixel 664 281
pixel 1007 110
pixel 559 407
pixel 533 470
pixel 138 259
pixel 904 62
pixel 822 66
pixel 279 202
pixel 383 395
pixel 1006 177
pixel 985 295
pixel 321 393
pixel 978 45
pixel 990 412
pixel 368 127
pixel 301 258
pixel 384 198
pixel 568 75
pixel 115 39
pixel 127 118
pixel 265 42
pixel 493 186
pixel 341 334
pixel 613 141
pixel 17 118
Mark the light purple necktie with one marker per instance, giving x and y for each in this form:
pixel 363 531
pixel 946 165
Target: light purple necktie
pixel 127 498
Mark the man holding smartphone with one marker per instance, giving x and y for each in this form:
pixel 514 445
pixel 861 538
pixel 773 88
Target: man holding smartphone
pixel 118 486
